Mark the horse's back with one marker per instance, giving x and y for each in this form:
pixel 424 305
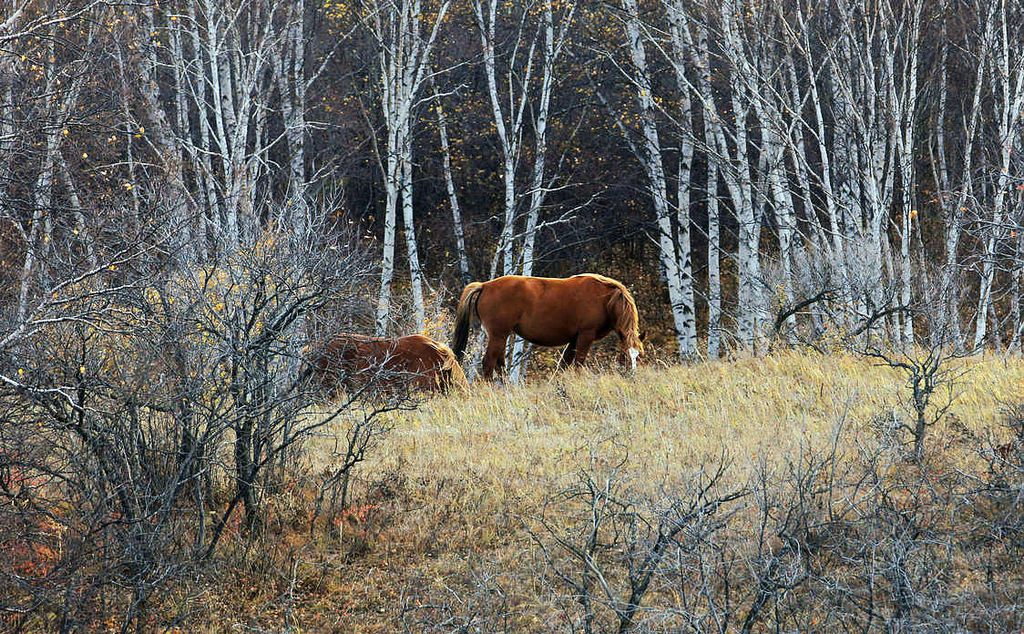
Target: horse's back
pixel 534 284
pixel 435 364
pixel 419 352
pixel 528 289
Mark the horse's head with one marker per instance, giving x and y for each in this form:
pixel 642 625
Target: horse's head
pixel 631 350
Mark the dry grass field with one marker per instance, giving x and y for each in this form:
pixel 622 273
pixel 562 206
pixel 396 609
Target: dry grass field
pixel 446 526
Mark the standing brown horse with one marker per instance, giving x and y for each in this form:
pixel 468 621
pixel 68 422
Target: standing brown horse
pixel 413 362
pixel 574 312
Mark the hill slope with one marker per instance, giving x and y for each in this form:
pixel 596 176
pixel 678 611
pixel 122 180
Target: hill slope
pixel 468 512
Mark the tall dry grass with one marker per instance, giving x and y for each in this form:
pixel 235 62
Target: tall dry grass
pixel 753 408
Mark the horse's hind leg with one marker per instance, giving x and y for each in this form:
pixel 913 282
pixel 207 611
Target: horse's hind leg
pixel 494 356
pixel 568 355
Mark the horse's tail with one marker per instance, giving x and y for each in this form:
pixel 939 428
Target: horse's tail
pixel 464 317
pixel 627 318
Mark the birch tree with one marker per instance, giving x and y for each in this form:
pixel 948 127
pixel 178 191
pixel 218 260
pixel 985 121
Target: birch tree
pixel 815 174
pixel 678 57
pixel 291 77
pixel 650 154
pixel 449 183
pixel 518 97
pixel 862 151
pixel 553 45
pixel 229 65
pixel 57 100
pixel 509 120
pixel 954 194
pixel 403 51
pixel 736 165
pixel 903 102
pixel 766 71
pixel 1007 90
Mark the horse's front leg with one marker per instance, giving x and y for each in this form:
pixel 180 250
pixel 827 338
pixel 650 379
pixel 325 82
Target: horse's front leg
pixel 568 355
pixel 583 342
pixel 494 356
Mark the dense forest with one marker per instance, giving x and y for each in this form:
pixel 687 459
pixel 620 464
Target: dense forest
pixel 195 194
pixel 782 168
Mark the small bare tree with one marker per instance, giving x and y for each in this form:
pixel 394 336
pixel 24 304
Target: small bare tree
pixel 928 363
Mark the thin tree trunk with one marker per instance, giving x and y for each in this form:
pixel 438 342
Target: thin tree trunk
pixel 714 266
pixel 750 309
pixel 404 58
pixel 509 131
pixel 537 188
pixel 415 272
pixel 651 159
pixel 453 199
pixel 387 265
pixel 1008 85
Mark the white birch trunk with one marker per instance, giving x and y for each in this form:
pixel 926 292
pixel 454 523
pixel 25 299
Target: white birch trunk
pixel 1008 88
pixel 40 234
pixel 683 247
pixel 509 130
pixel 403 60
pixel 907 113
pixel 678 53
pixel 387 264
pixel 714 266
pixel 651 158
pixel 551 51
pixel 412 249
pixel 290 76
pixel 750 308
pixel 453 198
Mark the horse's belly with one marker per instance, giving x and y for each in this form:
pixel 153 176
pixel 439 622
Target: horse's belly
pixel 544 338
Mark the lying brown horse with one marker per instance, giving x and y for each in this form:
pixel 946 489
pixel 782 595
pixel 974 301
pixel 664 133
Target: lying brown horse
pixel 413 362
pixel 574 312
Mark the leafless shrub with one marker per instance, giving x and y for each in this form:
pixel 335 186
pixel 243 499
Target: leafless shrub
pixel 141 418
pixel 832 538
pixel 998 506
pixel 478 602
pixel 359 434
pixel 605 538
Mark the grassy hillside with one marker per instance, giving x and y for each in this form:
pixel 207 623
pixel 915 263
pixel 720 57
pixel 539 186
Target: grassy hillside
pixel 453 512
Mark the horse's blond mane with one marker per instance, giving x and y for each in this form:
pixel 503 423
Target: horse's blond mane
pixel 457 376
pixel 624 307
